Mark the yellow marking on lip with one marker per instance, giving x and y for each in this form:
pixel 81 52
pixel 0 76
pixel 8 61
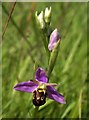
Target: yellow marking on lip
pixel 40 90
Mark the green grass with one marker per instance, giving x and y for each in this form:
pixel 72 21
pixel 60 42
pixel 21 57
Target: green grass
pixel 18 58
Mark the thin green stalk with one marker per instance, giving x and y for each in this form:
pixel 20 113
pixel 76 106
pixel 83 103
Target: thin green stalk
pixel 45 42
pixel 46 46
pixel 53 58
pixel 52 62
pixel 80 104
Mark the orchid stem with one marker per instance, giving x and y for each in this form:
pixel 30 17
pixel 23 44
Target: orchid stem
pixel 46 45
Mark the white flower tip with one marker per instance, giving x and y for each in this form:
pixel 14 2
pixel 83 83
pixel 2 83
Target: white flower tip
pixel 39 19
pixel 56 30
pixel 48 9
pixel 47 15
pixel 40 16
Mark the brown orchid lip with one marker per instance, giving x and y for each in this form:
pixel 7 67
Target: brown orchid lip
pixel 39 97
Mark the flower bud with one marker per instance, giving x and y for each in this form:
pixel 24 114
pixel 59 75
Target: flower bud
pixel 47 15
pixel 40 19
pixel 54 38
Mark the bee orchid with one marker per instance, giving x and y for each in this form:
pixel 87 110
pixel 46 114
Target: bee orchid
pixel 40 88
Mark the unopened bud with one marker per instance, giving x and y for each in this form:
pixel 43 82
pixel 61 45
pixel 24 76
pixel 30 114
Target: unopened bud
pixel 40 19
pixel 54 38
pixel 47 15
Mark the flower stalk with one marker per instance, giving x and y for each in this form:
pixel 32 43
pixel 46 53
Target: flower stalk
pixel 52 59
pixel 45 43
pixel 53 47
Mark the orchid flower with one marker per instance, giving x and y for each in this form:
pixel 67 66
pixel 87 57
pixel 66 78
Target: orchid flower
pixel 40 89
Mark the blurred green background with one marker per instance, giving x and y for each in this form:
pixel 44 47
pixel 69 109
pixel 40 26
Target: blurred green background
pixel 22 47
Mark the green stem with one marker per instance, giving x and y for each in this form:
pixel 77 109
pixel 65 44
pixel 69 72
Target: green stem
pixel 53 58
pixel 52 62
pixel 45 42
